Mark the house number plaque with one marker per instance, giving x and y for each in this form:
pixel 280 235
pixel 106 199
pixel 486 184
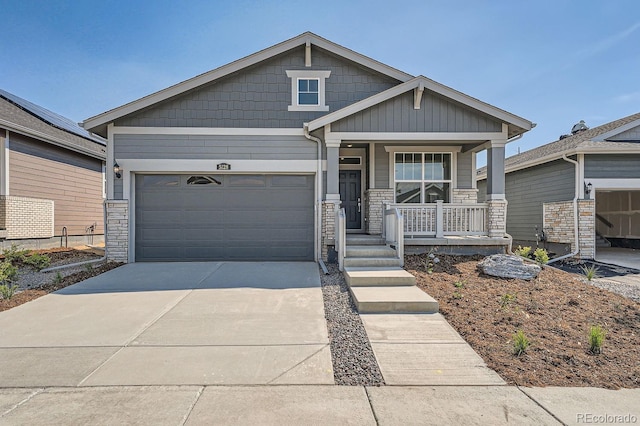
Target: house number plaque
pixel 224 166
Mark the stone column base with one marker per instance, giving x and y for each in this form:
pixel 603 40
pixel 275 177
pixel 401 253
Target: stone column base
pixel 374 200
pixel 497 221
pixel 329 208
pixel 466 196
pixel 117 232
pixel 587 228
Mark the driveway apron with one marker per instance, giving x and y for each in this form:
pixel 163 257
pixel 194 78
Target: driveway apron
pixel 197 323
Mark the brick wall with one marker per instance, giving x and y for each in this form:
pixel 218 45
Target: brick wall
pixel 558 222
pixel 373 205
pixel 587 228
pixel 24 217
pixel 117 247
pixel 328 225
pixel 497 223
pixel 464 195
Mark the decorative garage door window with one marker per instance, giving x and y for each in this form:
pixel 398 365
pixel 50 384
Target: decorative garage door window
pixel 422 177
pixel 204 180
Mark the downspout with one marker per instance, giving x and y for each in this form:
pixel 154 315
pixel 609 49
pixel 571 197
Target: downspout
pixel 318 141
pixel 575 212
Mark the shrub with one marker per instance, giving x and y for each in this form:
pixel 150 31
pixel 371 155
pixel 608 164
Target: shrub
pixel 7 272
pixel 459 284
pixel 58 278
pixel 14 254
pixel 8 290
pixel 37 261
pixel 431 261
pixel 541 256
pixel 523 251
pixel 590 272
pixel 520 343
pixel 596 339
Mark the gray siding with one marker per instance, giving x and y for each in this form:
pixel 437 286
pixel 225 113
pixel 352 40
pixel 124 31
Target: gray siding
pixel 214 147
pixel 482 191
pixel 436 114
pixel 382 167
pixel 528 189
pixel 260 95
pixel 465 171
pixel 612 166
pixel 629 135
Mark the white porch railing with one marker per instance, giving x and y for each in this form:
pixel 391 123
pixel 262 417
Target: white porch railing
pixel 392 231
pixel 341 237
pixel 440 219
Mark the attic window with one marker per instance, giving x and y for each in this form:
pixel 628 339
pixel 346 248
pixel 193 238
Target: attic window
pixel 308 90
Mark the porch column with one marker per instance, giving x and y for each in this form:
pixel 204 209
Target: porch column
pixel 333 169
pixel 496 201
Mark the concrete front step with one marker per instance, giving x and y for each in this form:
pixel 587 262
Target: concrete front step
pixel 371 261
pixel 370 251
pixel 379 300
pixel 378 276
pixel 364 240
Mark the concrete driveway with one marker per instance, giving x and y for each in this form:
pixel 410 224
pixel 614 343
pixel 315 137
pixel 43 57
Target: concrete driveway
pixel 173 324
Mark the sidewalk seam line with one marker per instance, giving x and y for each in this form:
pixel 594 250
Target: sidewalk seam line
pixel 192 406
pixel 300 363
pixel 541 406
pixel 373 410
pixel 24 401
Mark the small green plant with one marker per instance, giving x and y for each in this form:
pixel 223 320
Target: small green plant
pixel 541 256
pixel 506 300
pixel 520 343
pixel 457 295
pixel 596 339
pixel 459 284
pixel 37 261
pixel 88 267
pixel 8 290
pixel 58 278
pixel 432 261
pixel 8 272
pixel 590 272
pixel 523 251
pixel 14 254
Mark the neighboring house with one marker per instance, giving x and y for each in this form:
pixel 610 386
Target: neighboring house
pixel 582 190
pixel 249 161
pixel 51 178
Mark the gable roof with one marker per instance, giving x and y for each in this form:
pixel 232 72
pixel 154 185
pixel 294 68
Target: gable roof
pixel 21 116
pixel 517 125
pixel 592 140
pixel 99 122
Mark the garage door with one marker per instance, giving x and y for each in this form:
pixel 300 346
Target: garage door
pixel 224 217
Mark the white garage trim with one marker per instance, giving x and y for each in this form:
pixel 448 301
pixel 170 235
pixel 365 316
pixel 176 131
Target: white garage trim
pixel 613 184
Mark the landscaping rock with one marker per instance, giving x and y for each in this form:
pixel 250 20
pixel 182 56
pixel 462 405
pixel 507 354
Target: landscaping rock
pixel 508 266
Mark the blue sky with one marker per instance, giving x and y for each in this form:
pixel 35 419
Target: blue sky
pixel 552 62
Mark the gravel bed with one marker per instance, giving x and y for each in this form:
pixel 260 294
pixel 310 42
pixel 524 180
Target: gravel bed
pixel 630 291
pixel 29 278
pixel 353 360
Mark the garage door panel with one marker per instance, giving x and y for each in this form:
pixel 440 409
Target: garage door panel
pixel 247 217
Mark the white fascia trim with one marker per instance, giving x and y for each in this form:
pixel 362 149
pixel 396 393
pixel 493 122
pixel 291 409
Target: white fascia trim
pixel 422 148
pixel 110 162
pixel 415 136
pixel 209 166
pixel 430 85
pixel 16 128
pixel 616 131
pixel 321 76
pixel 208 131
pixel 177 89
pixel 580 160
pixel 4 163
pixel 613 184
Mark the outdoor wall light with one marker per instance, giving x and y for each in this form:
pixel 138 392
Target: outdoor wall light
pixel 117 170
pixel 588 188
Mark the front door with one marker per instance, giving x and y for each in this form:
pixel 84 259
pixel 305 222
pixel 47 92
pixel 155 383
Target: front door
pixel 350 187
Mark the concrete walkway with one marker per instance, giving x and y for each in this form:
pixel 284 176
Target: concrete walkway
pixel 173 324
pixel 331 405
pixel 629 258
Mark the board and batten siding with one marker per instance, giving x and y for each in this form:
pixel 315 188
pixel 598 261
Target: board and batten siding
pixel 210 147
pixel 436 114
pixel 612 166
pixel 628 135
pixel 528 189
pixel 73 181
pixel 259 96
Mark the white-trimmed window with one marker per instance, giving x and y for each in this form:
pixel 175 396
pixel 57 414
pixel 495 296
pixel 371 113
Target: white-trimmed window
pixel 422 177
pixel 307 90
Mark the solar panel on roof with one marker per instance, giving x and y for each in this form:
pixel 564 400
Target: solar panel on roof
pixel 50 117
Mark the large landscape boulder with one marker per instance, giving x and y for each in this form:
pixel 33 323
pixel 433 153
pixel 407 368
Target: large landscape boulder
pixel 508 266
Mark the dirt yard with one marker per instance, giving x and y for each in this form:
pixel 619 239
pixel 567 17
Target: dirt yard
pixel 555 311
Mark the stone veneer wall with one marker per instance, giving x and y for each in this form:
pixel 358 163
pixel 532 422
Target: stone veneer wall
pixel 497 223
pixel 328 226
pixel 459 195
pixel 587 228
pixel 117 232
pixel 375 198
pixel 24 217
pixel 558 222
